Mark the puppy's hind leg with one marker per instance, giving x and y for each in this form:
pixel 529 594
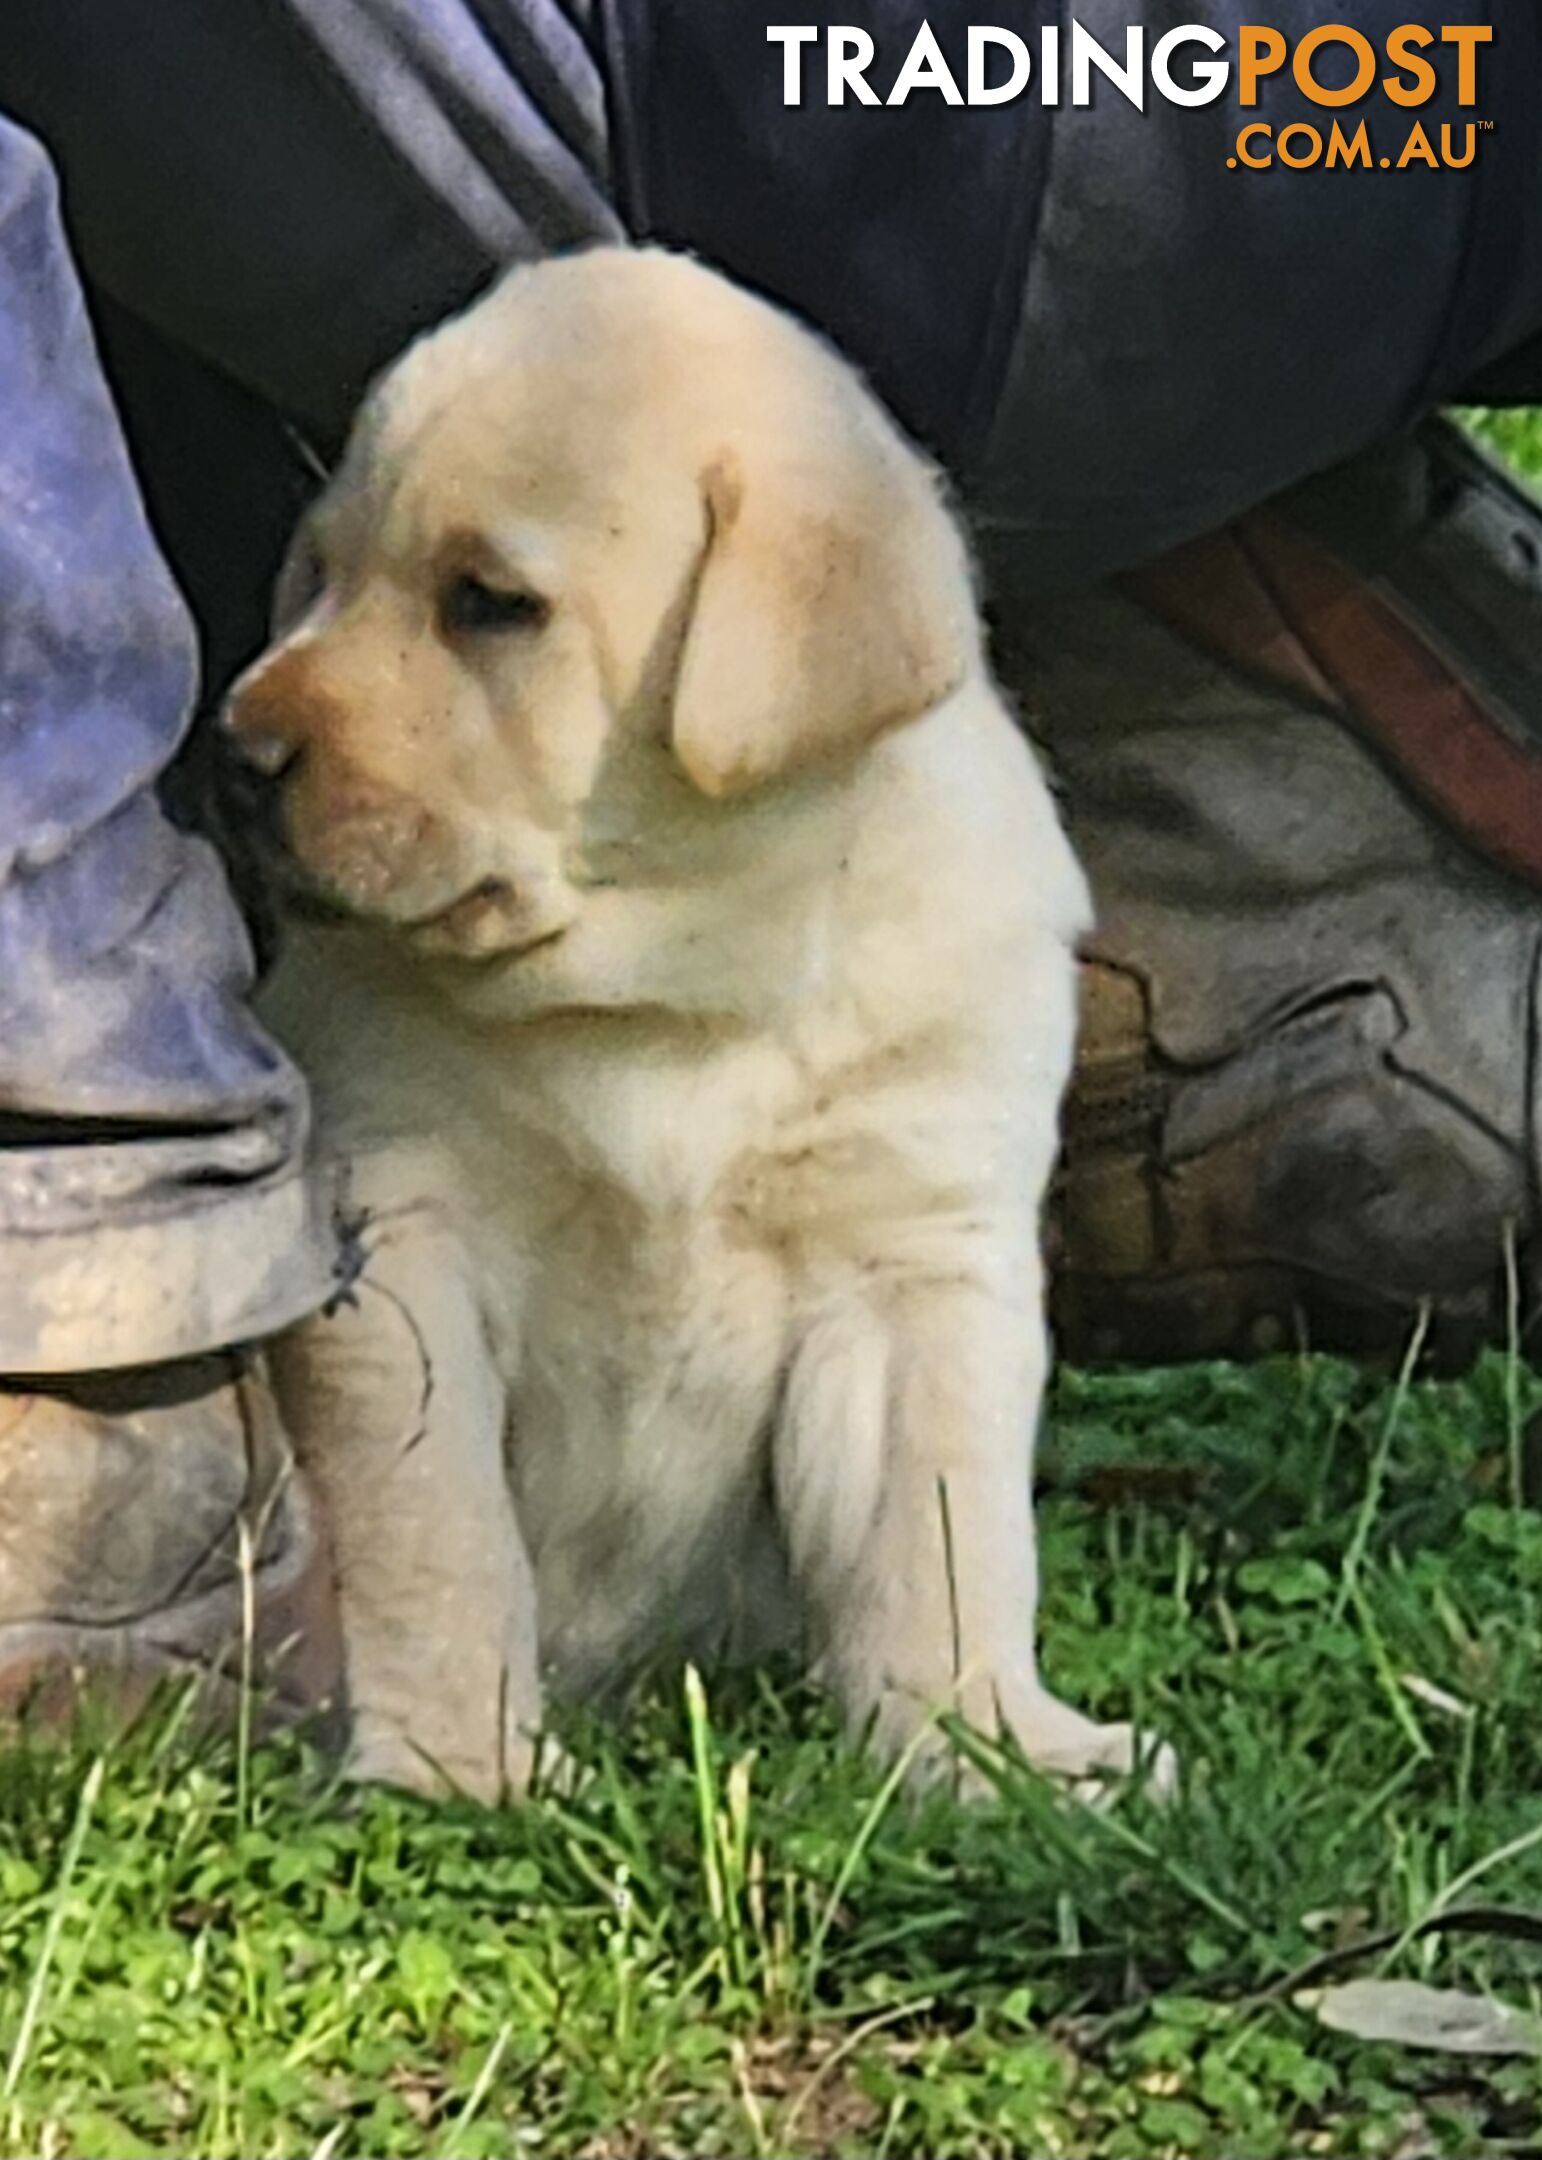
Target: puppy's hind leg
pixel 903 1482
pixel 398 1412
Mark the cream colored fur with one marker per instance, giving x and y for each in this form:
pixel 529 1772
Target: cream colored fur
pixel 696 1035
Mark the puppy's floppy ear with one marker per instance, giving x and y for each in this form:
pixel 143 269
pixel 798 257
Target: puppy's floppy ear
pixel 833 600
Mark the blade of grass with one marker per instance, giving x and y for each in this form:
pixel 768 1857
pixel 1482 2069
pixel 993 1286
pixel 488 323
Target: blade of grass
pixel 867 1830
pixel 1515 1430
pixel 32 2009
pixel 1370 1505
pixel 476 2098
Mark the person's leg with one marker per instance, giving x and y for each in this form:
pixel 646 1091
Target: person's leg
pixel 266 205
pixel 294 189
pixel 154 1201
pixel 1303 763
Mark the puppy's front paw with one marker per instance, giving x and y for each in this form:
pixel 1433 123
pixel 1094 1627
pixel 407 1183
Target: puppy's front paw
pixel 1089 1759
pixel 382 1752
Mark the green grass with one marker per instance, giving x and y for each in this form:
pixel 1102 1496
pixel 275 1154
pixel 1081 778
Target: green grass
pixel 1516 435
pixel 732 1939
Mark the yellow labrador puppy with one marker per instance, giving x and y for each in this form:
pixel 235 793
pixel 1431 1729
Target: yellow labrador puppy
pixel 694 1022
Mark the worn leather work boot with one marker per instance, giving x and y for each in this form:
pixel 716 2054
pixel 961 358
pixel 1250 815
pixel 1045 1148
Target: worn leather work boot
pixel 1302 760
pixel 153 1529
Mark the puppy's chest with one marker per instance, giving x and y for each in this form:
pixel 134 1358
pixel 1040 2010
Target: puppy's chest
pixel 651 1215
pixel 668 1338
pixel 627 1259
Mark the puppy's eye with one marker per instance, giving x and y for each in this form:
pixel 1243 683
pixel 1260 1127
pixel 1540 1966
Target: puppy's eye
pixel 470 606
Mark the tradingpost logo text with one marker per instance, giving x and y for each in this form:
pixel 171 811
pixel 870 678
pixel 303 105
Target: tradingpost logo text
pixel 1369 93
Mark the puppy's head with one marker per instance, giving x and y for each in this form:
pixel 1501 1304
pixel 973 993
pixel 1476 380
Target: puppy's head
pixel 618 518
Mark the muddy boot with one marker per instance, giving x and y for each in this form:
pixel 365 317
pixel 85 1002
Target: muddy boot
pixel 1302 760
pixel 152 1529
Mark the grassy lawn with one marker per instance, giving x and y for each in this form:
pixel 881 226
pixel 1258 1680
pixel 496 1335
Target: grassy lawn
pixel 733 1938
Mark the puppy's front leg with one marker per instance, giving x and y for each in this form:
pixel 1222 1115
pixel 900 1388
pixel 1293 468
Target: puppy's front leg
pixel 397 1411
pixel 903 1479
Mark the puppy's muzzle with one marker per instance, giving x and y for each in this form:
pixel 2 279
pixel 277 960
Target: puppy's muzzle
pixel 245 804
pixel 254 759
pixel 326 851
